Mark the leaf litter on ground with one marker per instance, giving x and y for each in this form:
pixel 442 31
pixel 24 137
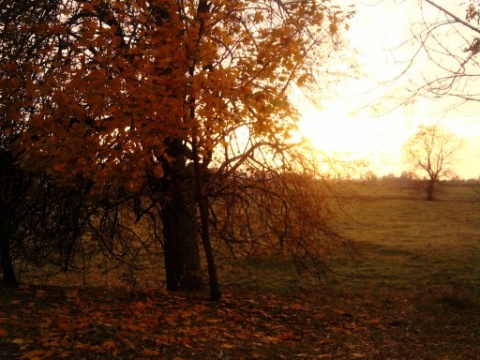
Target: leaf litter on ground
pixel 102 323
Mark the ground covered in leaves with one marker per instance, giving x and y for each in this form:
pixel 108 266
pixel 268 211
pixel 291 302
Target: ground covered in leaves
pixel 103 323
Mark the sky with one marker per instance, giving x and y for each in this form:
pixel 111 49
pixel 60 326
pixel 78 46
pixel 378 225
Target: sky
pixel 349 128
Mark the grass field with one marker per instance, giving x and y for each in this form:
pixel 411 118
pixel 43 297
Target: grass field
pixel 411 291
pixel 401 242
pixel 406 242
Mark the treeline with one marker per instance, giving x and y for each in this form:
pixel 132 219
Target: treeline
pixel 406 179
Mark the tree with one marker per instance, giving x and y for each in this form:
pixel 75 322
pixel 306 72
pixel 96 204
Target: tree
pixel 165 95
pixel 476 189
pixel 15 183
pixel 432 149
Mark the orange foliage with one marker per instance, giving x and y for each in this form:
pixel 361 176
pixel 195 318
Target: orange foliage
pixel 108 83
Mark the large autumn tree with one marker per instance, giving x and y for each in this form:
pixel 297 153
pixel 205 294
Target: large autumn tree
pixel 163 95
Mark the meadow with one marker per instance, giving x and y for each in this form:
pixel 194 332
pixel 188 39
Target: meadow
pixel 400 242
pixel 409 290
pixel 406 242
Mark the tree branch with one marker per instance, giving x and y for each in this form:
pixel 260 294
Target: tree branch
pixel 456 18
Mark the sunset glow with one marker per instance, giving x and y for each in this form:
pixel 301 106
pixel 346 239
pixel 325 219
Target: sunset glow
pixel 348 128
pixel 345 137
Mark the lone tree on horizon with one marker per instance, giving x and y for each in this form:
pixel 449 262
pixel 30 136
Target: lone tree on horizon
pixel 432 149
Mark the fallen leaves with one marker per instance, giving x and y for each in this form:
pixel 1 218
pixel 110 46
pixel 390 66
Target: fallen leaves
pixel 150 352
pixel 170 326
pixel 17 341
pixel 33 355
pixel 150 327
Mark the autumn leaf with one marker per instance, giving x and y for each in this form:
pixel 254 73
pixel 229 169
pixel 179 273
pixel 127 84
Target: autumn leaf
pixel 83 324
pixel 326 341
pixel 72 294
pixel 40 294
pixel 158 171
pixel 63 324
pixel 3 332
pixel 376 324
pixel 296 306
pixel 111 347
pixel 33 354
pixel 185 340
pixel 58 167
pixel 150 352
pixel 164 339
pixel 288 336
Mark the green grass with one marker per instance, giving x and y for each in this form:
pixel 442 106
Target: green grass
pixel 412 243
pixel 402 243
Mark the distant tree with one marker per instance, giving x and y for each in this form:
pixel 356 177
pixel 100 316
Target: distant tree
pixel 370 176
pixel 476 189
pixel 432 149
pixel 408 176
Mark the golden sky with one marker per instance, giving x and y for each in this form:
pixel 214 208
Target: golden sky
pixel 344 126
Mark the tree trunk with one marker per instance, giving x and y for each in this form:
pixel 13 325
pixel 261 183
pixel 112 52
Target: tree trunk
pixel 181 247
pixel 9 277
pixel 430 188
pixel 215 293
